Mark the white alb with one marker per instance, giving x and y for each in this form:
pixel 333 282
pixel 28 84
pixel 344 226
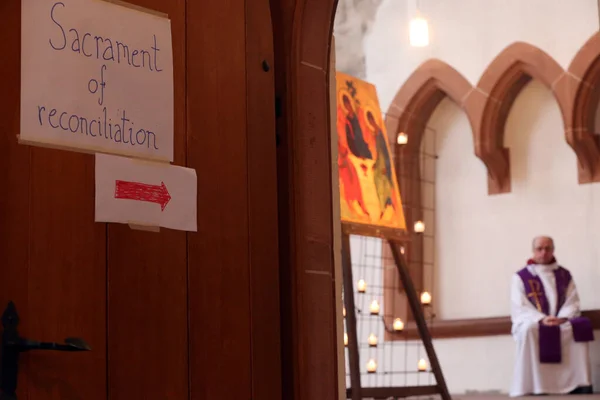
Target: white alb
pixel 530 376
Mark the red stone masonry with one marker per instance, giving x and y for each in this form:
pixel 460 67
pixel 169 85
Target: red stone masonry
pixel 497 90
pixel 488 104
pixel 580 89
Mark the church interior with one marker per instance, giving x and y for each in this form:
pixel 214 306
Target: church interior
pixel 367 199
pixel 490 111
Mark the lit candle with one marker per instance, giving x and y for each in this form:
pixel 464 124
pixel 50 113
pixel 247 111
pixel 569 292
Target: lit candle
pixel 362 286
pixel 402 138
pixel 374 307
pixel 425 299
pixel 372 340
pixel 398 325
pixel 419 227
pixel 371 366
pixel 345 339
pixel 422 365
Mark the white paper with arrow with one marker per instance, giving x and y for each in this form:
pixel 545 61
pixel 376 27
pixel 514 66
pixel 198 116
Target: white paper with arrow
pixel 145 193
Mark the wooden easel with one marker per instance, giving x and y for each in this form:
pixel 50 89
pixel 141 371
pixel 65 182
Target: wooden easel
pixel 356 392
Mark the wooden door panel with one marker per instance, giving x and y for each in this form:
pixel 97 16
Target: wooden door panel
pixel 66 277
pixel 262 199
pixel 219 286
pixel 130 293
pixel 147 274
pixel 14 175
pixel 147 316
pixel 54 253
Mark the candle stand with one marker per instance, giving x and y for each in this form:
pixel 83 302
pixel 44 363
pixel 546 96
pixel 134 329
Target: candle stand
pixel 356 391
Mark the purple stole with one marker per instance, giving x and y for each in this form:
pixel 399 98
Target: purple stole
pixel 549 336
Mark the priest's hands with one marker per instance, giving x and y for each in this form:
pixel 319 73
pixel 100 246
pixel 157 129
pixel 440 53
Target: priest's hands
pixel 553 321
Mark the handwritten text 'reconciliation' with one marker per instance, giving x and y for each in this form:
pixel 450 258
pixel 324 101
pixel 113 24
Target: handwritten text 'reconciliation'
pixel 120 131
pixel 99 47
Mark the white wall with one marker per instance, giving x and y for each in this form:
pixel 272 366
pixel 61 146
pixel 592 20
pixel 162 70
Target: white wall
pixel 468 34
pixel 481 240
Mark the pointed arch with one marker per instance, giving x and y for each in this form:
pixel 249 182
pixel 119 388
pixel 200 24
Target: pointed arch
pixel 416 100
pixel 409 112
pixel 500 84
pixel 580 89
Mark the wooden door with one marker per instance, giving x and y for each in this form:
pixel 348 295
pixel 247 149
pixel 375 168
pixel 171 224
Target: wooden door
pixel 169 315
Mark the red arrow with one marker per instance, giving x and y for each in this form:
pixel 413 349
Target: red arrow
pixel 143 192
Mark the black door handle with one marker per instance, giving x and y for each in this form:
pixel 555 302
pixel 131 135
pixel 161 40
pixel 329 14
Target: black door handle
pixel 12 345
pixel 71 344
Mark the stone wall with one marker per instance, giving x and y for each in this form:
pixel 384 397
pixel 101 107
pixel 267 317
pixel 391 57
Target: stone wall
pixel 353 21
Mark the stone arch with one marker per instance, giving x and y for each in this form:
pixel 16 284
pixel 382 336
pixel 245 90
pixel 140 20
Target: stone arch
pixel 418 97
pixel 580 87
pixel 500 85
pixel 409 113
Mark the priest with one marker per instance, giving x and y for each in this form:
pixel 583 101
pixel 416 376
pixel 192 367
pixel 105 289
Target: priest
pixel 552 337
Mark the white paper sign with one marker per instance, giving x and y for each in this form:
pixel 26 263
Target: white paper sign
pixel 145 193
pixel 96 76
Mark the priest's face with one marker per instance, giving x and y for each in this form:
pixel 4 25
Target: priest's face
pixel 543 250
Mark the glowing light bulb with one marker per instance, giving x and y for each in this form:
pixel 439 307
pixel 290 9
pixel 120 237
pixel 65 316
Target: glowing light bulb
pixel 344 311
pixel 422 365
pixel 419 32
pixel 345 339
